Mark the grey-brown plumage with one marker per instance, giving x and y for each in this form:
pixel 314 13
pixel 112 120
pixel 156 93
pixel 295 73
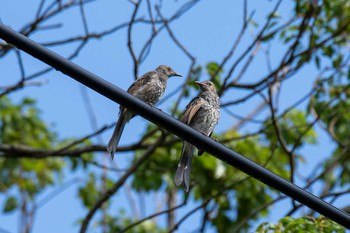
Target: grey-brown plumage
pixel 202 114
pixel 149 88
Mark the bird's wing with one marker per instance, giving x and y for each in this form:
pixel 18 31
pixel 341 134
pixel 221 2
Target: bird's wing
pixel 191 110
pixel 141 82
pixel 138 86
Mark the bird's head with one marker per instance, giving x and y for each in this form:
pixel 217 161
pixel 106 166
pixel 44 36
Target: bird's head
pixel 167 71
pixel 206 86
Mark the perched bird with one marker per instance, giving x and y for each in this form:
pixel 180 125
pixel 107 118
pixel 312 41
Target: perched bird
pixel 149 88
pixel 202 114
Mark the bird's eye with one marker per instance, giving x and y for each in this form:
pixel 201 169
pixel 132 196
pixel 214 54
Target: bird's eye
pixel 169 69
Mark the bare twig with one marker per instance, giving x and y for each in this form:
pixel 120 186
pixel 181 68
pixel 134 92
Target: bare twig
pixel 154 215
pixel 108 194
pixel 131 49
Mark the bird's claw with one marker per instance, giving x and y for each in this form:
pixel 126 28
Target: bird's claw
pixel 200 151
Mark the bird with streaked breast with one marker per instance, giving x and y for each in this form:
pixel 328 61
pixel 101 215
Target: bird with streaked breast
pixel 202 114
pixel 148 88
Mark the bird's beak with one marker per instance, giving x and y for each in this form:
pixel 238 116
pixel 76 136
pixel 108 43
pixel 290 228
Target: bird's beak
pixel 199 83
pixel 177 74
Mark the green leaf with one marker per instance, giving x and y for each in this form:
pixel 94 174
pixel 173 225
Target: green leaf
pixel 317 61
pixel 213 68
pixel 89 193
pixel 337 61
pixel 328 51
pixel 268 37
pixel 10 204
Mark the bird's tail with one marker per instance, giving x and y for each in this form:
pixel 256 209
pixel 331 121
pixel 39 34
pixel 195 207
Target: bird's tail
pixel 183 172
pixel 118 130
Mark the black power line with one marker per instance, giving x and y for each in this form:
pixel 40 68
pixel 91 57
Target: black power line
pixel 169 123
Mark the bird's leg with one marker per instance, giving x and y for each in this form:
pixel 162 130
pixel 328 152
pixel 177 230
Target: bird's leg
pixel 201 151
pixel 215 139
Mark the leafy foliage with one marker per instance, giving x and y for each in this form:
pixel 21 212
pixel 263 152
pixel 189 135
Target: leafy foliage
pixel 300 225
pixel 21 124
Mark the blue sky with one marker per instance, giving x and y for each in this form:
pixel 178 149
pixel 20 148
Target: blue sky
pixel 207 31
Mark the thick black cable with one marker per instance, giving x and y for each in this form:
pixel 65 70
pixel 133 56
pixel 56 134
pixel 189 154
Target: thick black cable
pixel 169 123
